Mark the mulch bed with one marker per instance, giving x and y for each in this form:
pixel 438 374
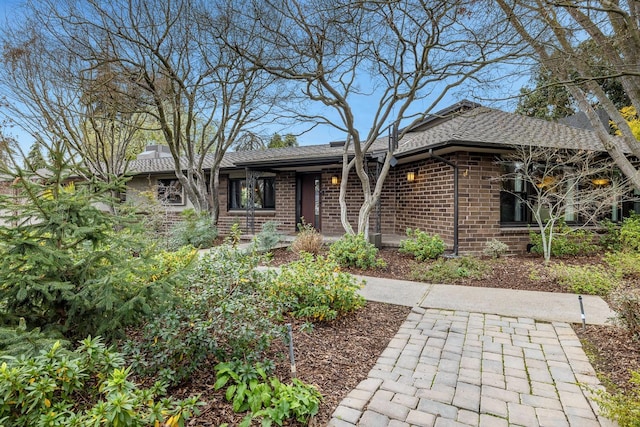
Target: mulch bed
pixel 333 356
pixel 337 356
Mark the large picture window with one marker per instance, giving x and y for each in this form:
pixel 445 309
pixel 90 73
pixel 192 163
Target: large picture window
pixel 518 197
pixel 264 194
pixel 170 192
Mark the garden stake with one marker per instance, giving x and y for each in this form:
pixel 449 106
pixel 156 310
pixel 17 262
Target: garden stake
pixel 584 325
pixel 291 356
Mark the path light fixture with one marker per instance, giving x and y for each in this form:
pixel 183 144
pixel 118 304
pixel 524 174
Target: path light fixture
pixel 600 182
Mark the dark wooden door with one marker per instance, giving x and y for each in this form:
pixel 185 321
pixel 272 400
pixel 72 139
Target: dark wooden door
pixel 309 199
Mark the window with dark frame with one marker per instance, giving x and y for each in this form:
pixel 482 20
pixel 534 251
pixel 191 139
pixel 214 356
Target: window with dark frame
pixel 516 191
pixel 170 191
pixel 264 197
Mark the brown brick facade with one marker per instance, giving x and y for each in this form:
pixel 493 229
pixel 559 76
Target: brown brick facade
pixel 427 203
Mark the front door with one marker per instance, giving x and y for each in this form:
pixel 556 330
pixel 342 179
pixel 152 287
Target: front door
pixel 308 195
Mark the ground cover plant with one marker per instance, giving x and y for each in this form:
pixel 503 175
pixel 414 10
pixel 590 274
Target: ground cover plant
pixel 449 270
pixel 266 398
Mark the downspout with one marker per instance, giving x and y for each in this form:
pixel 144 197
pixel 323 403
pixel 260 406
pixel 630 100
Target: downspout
pixel 455 198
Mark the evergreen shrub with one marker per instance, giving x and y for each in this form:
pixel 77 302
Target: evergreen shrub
pixel 68 267
pixel 354 251
pixel 222 311
pixel 196 229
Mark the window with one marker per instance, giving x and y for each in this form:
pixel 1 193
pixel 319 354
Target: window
pixel 576 199
pixel 170 192
pixel 513 208
pixel 518 192
pixel 264 195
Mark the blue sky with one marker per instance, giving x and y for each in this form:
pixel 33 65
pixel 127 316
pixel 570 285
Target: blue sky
pixel 6 8
pixel 320 134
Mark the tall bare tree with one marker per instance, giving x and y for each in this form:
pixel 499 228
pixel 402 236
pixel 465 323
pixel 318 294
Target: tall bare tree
pixel 57 96
pixel 554 31
pixel 202 94
pixel 389 55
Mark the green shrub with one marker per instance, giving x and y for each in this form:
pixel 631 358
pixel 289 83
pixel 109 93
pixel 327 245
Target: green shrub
pixel 64 268
pixel 268 237
pixel 90 386
pixel 495 248
pixel 18 341
pixel 316 289
pixel 588 279
pixel 620 407
pixel 610 238
pixel 249 389
pixel 223 311
pixel 308 240
pixel 421 245
pixel 626 303
pixel 449 270
pixel 354 251
pixel 630 233
pixel 196 229
pixel 623 264
pixel 565 242
pixel 235 234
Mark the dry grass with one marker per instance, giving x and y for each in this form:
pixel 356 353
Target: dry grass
pixel 308 240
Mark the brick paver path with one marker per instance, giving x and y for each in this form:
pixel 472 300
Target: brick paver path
pixel 451 368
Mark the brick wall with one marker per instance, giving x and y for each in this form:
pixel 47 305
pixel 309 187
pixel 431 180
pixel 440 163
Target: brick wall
pixel 427 202
pixel 330 208
pixel 479 198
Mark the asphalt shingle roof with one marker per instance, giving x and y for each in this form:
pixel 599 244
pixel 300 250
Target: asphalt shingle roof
pixel 480 126
pixel 486 126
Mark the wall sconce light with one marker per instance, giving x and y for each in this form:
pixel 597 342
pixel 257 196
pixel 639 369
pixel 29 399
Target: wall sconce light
pixel 411 176
pixel 546 181
pixel 335 180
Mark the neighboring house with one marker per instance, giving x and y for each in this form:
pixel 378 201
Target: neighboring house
pixel 444 181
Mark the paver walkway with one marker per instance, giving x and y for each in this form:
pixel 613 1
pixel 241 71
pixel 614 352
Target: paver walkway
pixel 448 367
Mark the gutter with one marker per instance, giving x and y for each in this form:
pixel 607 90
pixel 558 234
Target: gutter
pixel 455 198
